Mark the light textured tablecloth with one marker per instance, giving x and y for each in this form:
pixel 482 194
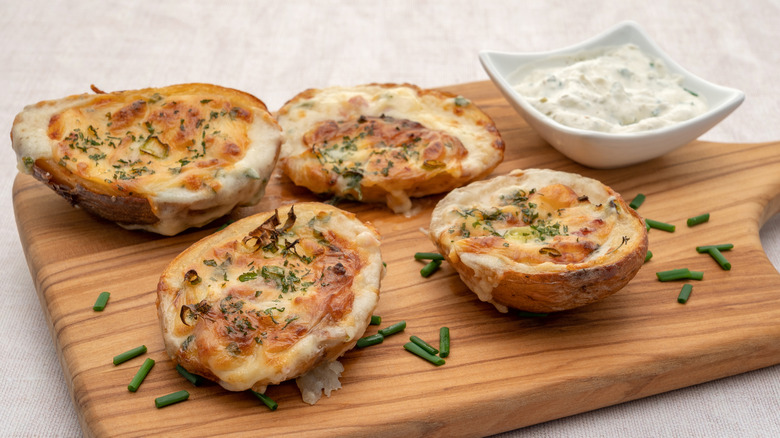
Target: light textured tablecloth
pixel 51 49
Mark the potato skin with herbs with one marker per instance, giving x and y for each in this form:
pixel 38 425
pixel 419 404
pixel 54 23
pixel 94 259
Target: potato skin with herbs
pixel 540 240
pixel 158 159
pixel 271 297
pixel 386 143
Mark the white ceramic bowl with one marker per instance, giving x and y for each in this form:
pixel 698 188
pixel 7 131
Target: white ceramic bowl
pixel 610 150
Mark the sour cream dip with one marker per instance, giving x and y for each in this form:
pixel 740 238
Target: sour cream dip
pixel 616 89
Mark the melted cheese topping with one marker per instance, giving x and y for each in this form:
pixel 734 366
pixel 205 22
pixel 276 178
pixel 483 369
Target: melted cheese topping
pixel 529 222
pixel 193 145
pixel 256 305
pixel 385 143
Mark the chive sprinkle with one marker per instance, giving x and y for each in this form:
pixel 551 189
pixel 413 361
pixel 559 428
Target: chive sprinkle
pixel 416 350
pixel 393 329
pixel 169 399
pixel 718 257
pixel 720 247
pixel 193 378
pixel 430 268
pixel 648 256
pixel 424 345
pixel 127 355
pixel 428 256
pixel 659 225
pixel 368 341
pixel 444 342
pixel 140 375
pixel 272 405
pixel 101 302
pixel 637 201
pixel 679 274
pixel 685 293
pixel 700 219
pixel 376 320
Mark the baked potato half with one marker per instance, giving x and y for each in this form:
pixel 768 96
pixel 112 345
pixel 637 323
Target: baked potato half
pixel 158 159
pixel 540 240
pixel 386 143
pixel 274 296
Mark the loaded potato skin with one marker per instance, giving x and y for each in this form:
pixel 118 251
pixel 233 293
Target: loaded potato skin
pixel 540 240
pixel 272 296
pixel 386 143
pixel 159 159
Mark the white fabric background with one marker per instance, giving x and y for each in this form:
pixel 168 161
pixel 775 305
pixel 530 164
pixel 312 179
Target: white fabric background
pixel 50 49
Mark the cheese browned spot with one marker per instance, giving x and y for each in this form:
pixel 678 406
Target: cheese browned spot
pixel 386 143
pixel 182 155
pixel 539 240
pixel 272 296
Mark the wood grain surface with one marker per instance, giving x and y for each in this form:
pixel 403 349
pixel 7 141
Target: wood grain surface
pixel 505 371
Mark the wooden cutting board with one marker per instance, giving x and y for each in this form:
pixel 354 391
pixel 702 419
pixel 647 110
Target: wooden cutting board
pixel 505 371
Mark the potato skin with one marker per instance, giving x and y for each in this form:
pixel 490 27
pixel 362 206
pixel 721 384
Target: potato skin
pixel 544 288
pixel 158 159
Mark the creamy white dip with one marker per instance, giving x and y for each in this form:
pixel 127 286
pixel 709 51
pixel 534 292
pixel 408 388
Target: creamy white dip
pixel 617 89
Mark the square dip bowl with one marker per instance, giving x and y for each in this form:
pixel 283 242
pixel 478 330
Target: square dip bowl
pixel 606 150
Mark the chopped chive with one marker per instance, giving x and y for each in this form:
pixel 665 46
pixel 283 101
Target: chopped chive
pixel 272 405
pixel 169 399
pixel 716 254
pixel 685 293
pixel 700 219
pixel 416 350
pixel 424 345
pixel 648 256
pixel 140 375
pixel 127 355
pixel 428 256
pixel 679 274
pixel 430 268
pixel 101 302
pixel 376 320
pixel 637 201
pixel 444 342
pixel 393 329
pixel 368 341
pixel 720 247
pixel 659 225
pixel 524 314
pixel 193 378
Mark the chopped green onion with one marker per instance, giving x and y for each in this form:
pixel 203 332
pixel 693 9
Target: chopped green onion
pixel 720 247
pixel 679 274
pixel 127 355
pixel 272 405
pixel 368 341
pixel 430 268
pixel 444 342
pixel 174 397
pixel 524 314
pixel 415 349
pixel 101 302
pixel 376 320
pixel 140 375
pixel 659 225
pixel 685 293
pixel 393 329
pixel 424 345
pixel 700 219
pixel 193 378
pixel 637 201
pixel 648 256
pixel 428 256
pixel 716 254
